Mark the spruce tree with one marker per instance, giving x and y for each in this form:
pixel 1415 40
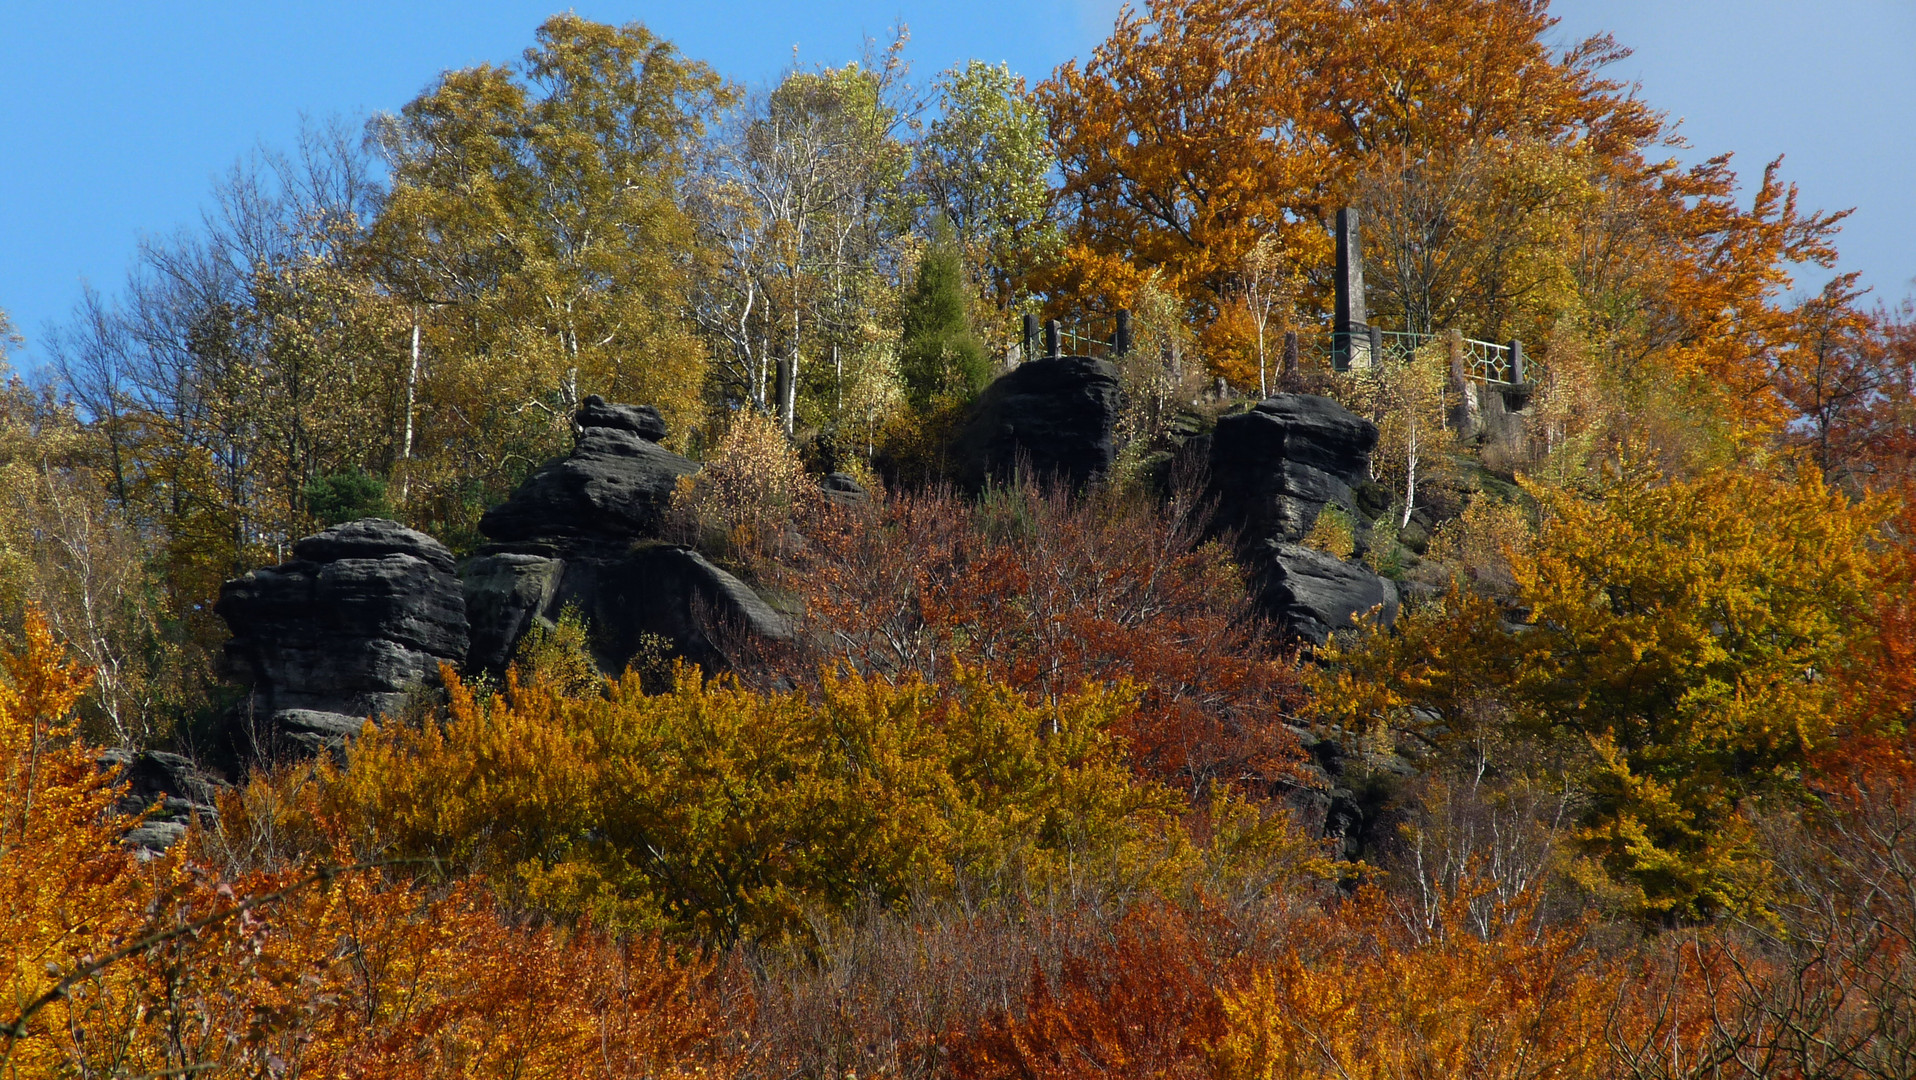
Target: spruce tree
pixel 940 356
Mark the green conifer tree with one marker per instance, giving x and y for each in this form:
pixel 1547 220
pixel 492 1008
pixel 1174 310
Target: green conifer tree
pixel 941 357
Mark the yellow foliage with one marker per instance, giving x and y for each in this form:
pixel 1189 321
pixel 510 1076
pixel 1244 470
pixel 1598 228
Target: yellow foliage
pixel 320 968
pixel 70 891
pixel 1685 632
pixel 752 487
pixel 721 812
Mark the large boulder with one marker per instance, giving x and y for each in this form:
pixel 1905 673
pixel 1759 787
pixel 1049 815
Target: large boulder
pixel 1053 416
pixel 507 594
pixel 361 616
pixel 1314 595
pixel 613 488
pixel 169 789
pixel 1274 469
pixel 583 533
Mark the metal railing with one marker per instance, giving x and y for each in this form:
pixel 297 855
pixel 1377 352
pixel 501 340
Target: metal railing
pixel 1484 361
pixel 1103 337
pixel 1362 349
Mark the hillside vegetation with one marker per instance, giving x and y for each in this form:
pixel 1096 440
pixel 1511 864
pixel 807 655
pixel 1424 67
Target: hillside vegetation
pixel 1036 788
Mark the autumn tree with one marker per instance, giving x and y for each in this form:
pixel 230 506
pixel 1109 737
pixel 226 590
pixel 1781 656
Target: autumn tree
pixel 985 164
pixel 802 205
pixel 1685 635
pixel 534 234
pixel 1198 128
pixel 1849 375
pixel 1049 594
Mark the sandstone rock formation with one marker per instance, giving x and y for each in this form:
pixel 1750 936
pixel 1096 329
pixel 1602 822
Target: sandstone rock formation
pixel 175 790
pixel 1054 416
pixel 583 532
pixel 614 487
pixel 651 594
pixel 363 614
pixel 1273 470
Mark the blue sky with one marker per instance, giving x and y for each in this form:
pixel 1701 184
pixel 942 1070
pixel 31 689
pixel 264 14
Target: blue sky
pixel 116 117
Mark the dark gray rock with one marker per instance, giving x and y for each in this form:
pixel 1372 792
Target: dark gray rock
pixel 667 596
pixel 506 594
pixel 311 732
pixel 579 534
pixel 614 487
pixel 843 489
pixel 1054 416
pixel 372 538
pixel 641 420
pixel 1274 468
pixel 176 791
pixel 1272 472
pixel 362 616
pixel 1315 595
pixel 652 599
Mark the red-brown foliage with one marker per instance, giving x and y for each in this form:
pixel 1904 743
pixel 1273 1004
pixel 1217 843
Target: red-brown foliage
pixel 1144 1006
pixel 1047 592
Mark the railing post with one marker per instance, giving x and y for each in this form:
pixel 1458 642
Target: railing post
pixel 1121 340
pixel 1468 419
pixel 1516 361
pixel 1030 337
pixel 1051 330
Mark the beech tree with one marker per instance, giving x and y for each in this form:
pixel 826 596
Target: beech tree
pixel 534 232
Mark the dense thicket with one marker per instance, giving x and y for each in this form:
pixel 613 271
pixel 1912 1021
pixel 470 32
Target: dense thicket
pixel 1627 790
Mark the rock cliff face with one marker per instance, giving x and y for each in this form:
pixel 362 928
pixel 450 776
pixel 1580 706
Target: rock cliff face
pixel 1273 470
pixel 175 790
pixel 1054 416
pixel 363 614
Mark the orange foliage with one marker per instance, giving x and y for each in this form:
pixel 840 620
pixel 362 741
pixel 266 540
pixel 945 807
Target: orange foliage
pixel 1362 990
pixel 1144 1007
pixel 1047 593
pixel 113 967
pixel 1201 126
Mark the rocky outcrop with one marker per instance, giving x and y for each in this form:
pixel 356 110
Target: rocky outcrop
pixel 844 490
pixel 1313 594
pixel 507 594
pixel 361 616
pixel 1053 416
pixel 169 789
pixel 584 533
pixel 654 597
pixel 613 488
pixel 1273 470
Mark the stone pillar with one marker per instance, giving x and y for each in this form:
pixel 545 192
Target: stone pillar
pixel 1374 344
pixel 1051 336
pixel 1516 361
pixel 786 395
pixel 1290 377
pixel 1030 338
pixel 1349 317
pixel 1121 340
